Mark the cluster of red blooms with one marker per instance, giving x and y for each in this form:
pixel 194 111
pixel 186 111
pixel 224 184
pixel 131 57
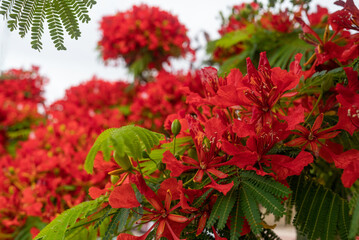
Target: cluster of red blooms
pixel 46 175
pixel 145 34
pixel 239 121
pixel 20 99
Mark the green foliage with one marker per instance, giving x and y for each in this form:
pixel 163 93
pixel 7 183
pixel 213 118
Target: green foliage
pixel 31 14
pixel 251 210
pixel 237 221
pixel 232 38
pixel 117 223
pixel 130 140
pixel 354 226
pixel 266 183
pixel 58 227
pixel 321 213
pixel 221 209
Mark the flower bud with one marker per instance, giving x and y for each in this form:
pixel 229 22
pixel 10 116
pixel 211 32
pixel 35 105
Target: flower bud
pixel 123 161
pixel 176 127
pixel 114 179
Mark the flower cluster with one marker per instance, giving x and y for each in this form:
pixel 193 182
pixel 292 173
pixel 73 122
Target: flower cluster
pixel 20 98
pixel 143 36
pixel 258 123
pixel 45 177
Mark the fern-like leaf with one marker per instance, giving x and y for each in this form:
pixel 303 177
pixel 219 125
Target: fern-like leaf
pixel 28 15
pixel 266 199
pixel 237 221
pixel 130 140
pixel 118 221
pixel 221 209
pixel 37 28
pixel 54 23
pixel 266 183
pixel 57 228
pixel 227 205
pixel 251 210
pixel 354 226
pixel 343 220
pixel 320 211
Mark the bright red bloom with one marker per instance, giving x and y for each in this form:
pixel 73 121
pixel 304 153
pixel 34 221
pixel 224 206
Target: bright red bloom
pixel 318 18
pixel 349 162
pixel 312 136
pixel 168 223
pixel 145 34
pixel 348 98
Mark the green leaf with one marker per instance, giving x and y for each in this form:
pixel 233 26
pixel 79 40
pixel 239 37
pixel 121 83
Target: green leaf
pixel 237 221
pixel 30 14
pixel 320 211
pixel 354 226
pixel 266 183
pixel 130 140
pixel 118 222
pixel 251 210
pixel 221 209
pixel 57 228
pixel 266 199
pixel 232 38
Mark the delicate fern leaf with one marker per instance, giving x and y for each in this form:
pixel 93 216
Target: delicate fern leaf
pixel 251 210
pixel 103 217
pixel 5 7
pixel 118 221
pixel 354 226
pixel 199 201
pixel 328 232
pixel 81 10
pixel 37 28
pixel 320 211
pixel 128 140
pixel 26 17
pixel 15 13
pixel 57 228
pixel 55 26
pixel 266 183
pixel 266 199
pixel 221 209
pixel 227 205
pixel 343 220
pixel 237 221
pixel 89 3
pixel 68 17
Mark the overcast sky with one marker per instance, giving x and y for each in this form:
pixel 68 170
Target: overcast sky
pixel 81 61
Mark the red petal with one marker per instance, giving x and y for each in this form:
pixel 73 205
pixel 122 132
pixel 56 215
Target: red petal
pixel 225 188
pixel 217 173
pixel 95 192
pixel 318 122
pixel 123 197
pixel 160 229
pixel 202 223
pixel 173 164
pixel 199 175
pixel 177 218
pixel 297 142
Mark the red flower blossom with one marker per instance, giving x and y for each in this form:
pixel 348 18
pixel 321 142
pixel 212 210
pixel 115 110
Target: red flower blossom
pixel 143 33
pixel 312 136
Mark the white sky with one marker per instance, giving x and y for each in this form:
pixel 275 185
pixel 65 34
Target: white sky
pixel 81 61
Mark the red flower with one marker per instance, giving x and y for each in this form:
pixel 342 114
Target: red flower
pixel 168 223
pixel 349 101
pixel 312 136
